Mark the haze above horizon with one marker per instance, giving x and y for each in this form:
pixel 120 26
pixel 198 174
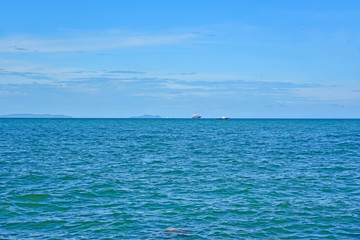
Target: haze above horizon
pixel 242 59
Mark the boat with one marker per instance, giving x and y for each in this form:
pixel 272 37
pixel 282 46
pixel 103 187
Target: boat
pixel 196 116
pixel 223 118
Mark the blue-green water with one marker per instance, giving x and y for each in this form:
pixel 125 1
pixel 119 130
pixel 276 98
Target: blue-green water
pixel 132 179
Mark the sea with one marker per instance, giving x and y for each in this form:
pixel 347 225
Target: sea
pixel 179 179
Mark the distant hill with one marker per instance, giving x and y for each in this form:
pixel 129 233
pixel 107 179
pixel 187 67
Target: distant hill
pixel 26 115
pixel 147 116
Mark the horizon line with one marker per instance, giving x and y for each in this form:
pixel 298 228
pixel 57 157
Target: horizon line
pixel 184 118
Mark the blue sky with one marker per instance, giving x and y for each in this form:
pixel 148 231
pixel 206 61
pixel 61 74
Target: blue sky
pixel 292 59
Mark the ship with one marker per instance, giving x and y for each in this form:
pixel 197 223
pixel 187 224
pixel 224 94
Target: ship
pixel 223 118
pixel 196 116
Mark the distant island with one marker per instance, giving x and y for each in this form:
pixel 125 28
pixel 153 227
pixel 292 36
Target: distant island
pixel 147 116
pixel 27 115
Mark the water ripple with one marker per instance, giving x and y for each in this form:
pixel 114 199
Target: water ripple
pixel 207 179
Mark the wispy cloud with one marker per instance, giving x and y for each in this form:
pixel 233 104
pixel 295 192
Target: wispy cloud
pixel 88 42
pixel 24 74
pixel 187 73
pixel 164 85
pixel 43 74
pixel 125 71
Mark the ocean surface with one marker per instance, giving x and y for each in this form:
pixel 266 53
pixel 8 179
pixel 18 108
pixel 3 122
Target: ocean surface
pixel 208 179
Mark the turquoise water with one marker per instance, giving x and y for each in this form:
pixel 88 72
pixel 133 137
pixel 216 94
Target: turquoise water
pixel 133 179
